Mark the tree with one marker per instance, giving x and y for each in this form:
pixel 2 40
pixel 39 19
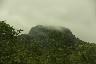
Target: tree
pixel 8 37
pixel 7 32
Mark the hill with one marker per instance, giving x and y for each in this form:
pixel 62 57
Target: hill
pixel 59 46
pixel 44 45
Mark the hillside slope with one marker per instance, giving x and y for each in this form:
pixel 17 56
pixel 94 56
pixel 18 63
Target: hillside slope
pixel 54 46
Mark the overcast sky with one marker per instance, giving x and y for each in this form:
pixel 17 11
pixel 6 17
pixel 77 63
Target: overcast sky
pixel 77 15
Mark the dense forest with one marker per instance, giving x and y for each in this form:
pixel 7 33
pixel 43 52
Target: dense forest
pixel 43 45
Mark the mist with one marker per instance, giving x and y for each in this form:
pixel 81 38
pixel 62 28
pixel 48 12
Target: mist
pixel 77 15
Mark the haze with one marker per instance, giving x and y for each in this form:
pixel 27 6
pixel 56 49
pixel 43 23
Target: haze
pixel 77 15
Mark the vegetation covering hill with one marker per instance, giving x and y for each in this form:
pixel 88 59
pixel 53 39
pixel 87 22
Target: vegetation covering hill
pixel 44 45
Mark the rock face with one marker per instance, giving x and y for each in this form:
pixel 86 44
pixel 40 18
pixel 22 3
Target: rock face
pixel 47 33
pixel 39 32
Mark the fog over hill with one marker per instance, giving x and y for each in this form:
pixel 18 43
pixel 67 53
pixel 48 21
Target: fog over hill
pixel 77 15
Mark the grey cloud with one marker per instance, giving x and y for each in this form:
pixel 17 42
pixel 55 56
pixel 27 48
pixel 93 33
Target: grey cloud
pixel 1 3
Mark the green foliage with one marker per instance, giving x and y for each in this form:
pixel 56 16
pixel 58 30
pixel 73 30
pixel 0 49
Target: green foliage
pixel 43 46
pixel 7 32
pixel 8 37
